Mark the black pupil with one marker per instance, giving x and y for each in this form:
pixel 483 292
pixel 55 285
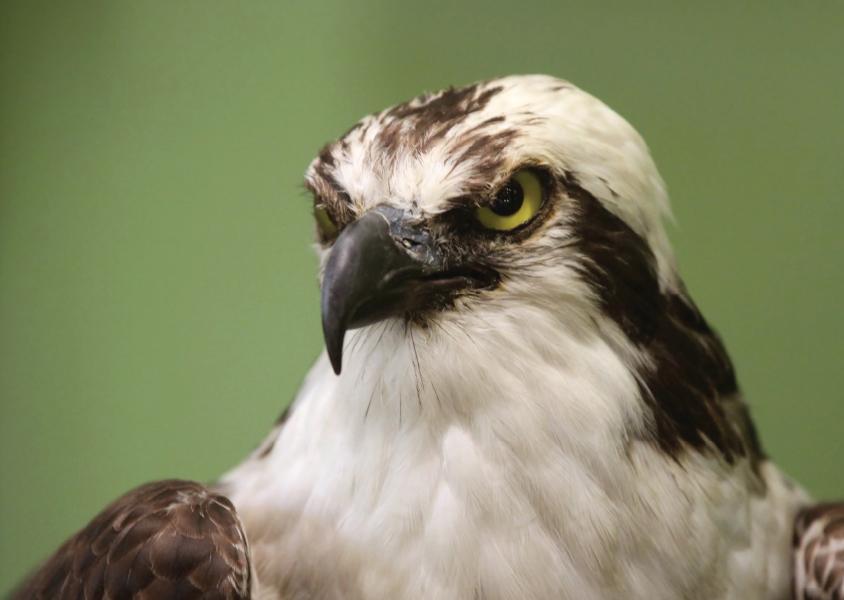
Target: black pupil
pixel 509 200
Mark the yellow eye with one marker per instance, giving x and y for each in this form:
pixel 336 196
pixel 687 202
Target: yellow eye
pixel 515 204
pixel 325 224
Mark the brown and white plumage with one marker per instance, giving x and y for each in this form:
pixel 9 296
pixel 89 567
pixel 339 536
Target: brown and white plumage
pixel 530 409
pixel 819 553
pixel 168 540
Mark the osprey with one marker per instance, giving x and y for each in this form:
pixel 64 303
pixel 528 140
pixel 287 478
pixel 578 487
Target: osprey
pixel 518 397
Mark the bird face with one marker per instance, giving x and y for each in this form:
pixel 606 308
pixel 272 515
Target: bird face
pixel 512 194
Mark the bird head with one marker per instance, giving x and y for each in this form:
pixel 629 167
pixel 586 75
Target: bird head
pixel 486 206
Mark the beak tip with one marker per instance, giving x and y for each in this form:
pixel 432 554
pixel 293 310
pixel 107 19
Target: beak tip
pixel 336 362
pixel 334 344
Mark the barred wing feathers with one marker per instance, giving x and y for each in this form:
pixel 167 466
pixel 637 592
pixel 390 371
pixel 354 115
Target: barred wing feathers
pixel 164 540
pixel 819 553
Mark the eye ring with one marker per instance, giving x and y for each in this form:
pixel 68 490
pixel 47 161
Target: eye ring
pixel 516 202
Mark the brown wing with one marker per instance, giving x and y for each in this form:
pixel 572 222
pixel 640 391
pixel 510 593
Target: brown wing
pixel 164 540
pixel 819 553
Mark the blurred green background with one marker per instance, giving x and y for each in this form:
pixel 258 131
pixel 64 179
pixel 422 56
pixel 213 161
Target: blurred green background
pixel 158 303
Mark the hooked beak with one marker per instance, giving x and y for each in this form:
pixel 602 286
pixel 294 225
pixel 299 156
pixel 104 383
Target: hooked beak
pixel 385 264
